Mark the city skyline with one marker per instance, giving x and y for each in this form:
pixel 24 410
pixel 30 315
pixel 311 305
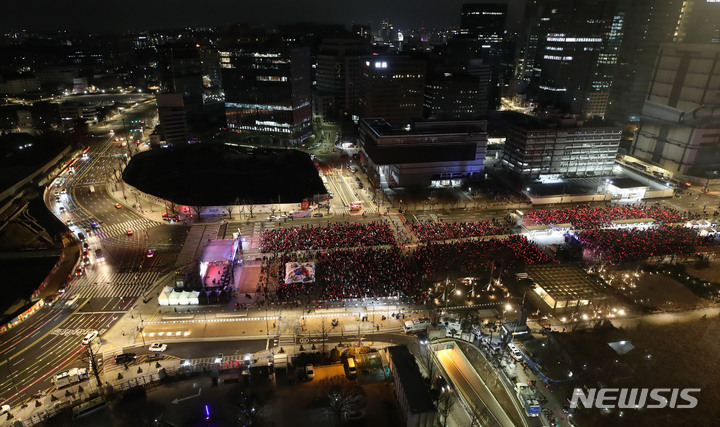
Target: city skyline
pixel 44 15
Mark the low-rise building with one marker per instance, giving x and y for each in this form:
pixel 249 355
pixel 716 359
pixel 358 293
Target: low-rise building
pixel 422 153
pixel 537 148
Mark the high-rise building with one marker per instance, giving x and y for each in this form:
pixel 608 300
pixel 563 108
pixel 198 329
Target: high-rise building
pixel 680 123
pixel 571 54
pixel 423 152
pixel 267 89
pixel 484 22
pixel 171 112
pixel 362 31
pixel 537 148
pixel 456 92
pixel 647 24
pixel 338 69
pixel 392 87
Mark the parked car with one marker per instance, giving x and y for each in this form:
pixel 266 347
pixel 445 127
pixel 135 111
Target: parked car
pixel 318 215
pixel 309 371
pixel 125 358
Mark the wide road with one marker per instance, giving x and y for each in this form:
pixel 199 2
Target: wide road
pixel 467 382
pixel 113 281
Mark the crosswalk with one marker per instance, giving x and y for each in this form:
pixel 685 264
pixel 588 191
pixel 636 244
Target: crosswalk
pixel 111 285
pixel 137 225
pixel 368 208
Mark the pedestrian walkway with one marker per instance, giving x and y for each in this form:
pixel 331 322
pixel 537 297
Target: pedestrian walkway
pixel 137 225
pixel 106 284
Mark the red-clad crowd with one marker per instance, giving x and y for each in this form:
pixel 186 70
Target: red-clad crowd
pixel 333 235
pixel 586 217
pixel 356 273
pixel 428 231
pixel 438 259
pixel 629 244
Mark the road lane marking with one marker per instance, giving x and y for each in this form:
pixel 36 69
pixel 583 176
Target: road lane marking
pixel 44 336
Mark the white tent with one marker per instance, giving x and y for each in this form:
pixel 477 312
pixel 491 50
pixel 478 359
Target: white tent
pixel 193 298
pixel 174 298
pixel 164 298
pixel 183 298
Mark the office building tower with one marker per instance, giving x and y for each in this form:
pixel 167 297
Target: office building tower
pixel 484 22
pixel 647 24
pixel 456 92
pixel 362 31
pixel 171 112
pixel 537 148
pixel 392 87
pixel 267 89
pixel 680 123
pixel 571 54
pixel 338 69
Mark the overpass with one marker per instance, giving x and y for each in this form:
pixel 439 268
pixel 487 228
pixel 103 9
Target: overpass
pixel 471 389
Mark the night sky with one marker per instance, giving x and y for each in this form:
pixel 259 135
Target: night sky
pixel 125 15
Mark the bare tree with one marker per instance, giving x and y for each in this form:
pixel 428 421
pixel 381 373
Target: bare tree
pixel 170 207
pixel 250 207
pixel 446 402
pixel 324 332
pixel 230 207
pixel 343 397
pixel 197 210
pixel 250 408
pixel 273 209
pixel 428 362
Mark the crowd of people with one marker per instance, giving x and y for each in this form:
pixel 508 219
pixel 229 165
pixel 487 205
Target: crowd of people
pixel 470 256
pixel 629 244
pixel 333 235
pixel 355 273
pixel 586 217
pixel 428 231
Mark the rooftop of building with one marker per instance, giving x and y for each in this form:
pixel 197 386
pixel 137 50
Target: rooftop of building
pixel 525 121
pixel 627 183
pixel 413 386
pixel 430 127
pixel 566 283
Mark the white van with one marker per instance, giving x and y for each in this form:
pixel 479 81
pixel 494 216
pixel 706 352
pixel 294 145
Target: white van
pixel 89 337
pixel 515 352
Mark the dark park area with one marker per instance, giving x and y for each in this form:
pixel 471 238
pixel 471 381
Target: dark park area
pixel 211 175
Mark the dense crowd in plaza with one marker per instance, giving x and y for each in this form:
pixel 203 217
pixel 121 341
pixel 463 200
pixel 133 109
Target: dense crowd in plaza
pixel 586 217
pixel 333 235
pixel 470 256
pixel 428 231
pixel 628 244
pixel 354 273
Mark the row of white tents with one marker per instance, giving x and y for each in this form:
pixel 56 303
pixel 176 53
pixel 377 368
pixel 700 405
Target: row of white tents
pixel 169 296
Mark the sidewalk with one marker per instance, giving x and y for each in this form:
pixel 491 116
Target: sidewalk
pixel 257 323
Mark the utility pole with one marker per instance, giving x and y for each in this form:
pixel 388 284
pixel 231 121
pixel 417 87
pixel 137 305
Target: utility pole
pixel 93 363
